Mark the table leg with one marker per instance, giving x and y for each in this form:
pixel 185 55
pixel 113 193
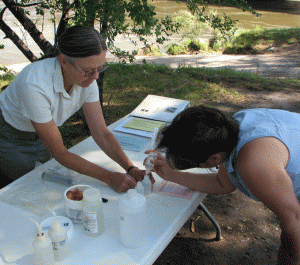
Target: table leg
pixel 211 218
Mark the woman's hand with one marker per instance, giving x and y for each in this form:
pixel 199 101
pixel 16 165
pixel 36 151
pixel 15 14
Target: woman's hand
pixel 161 167
pixel 139 174
pixel 120 182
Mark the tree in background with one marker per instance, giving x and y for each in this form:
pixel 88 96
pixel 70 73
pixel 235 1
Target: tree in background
pixel 111 18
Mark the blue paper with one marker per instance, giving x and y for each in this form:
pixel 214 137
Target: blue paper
pixel 131 143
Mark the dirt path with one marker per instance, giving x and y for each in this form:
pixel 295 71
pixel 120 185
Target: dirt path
pixel 250 231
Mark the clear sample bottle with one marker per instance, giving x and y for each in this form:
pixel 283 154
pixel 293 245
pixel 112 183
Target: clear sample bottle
pixel 148 164
pixel 93 217
pixel 42 248
pixel 133 219
pixel 147 184
pixel 58 234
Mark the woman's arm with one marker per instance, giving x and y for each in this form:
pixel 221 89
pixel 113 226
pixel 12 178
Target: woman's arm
pixel 51 138
pixel 106 140
pixel 213 183
pixel 261 164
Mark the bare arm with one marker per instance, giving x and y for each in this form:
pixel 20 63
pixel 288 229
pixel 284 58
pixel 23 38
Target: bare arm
pixel 51 138
pixel 261 163
pixel 213 183
pixel 106 140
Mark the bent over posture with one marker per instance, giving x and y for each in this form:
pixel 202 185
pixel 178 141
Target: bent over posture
pixel 258 151
pixel 44 95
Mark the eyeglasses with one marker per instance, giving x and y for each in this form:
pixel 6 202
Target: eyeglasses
pixel 90 73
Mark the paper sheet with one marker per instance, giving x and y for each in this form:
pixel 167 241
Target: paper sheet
pixel 129 143
pixel 143 124
pixel 140 127
pixel 173 189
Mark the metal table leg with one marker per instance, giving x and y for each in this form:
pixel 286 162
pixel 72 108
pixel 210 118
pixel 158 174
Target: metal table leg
pixel 211 218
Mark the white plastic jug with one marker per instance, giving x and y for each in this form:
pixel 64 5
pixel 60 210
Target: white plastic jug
pixel 133 219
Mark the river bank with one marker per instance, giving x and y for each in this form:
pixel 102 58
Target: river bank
pixel 283 62
pixel 269 19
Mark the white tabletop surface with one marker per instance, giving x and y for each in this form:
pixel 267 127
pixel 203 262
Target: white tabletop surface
pixel 166 216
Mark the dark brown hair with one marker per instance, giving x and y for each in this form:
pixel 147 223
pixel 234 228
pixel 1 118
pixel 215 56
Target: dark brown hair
pixel 195 134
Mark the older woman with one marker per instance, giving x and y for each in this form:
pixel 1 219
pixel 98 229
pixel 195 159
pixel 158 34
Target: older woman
pixel 258 151
pixel 44 95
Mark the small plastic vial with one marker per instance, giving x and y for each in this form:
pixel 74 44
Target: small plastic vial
pixel 148 164
pixel 93 217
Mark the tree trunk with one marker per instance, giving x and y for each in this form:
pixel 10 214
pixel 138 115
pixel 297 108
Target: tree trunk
pixel 62 26
pixel 90 12
pixel 30 27
pixel 9 33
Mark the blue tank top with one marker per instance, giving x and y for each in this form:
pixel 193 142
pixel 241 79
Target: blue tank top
pixel 257 123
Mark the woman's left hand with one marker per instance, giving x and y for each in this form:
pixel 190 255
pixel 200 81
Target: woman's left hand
pixel 139 174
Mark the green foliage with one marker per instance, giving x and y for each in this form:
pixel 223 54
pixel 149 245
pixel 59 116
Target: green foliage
pixel 6 76
pixel 248 41
pixel 196 45
pixel 176 49
pixel 189 26
pixel 188 46
pixel 112 17
pixel 224 24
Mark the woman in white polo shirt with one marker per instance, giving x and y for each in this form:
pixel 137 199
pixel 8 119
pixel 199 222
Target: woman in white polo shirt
pixel 44 95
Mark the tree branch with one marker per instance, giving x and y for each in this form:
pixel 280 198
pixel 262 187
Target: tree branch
pixel 28 5
pixel 30 27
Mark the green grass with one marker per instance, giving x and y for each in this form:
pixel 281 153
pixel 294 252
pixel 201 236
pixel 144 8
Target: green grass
pixel 251 41
pixel 243 42
pixel 6 77
pixel 125 86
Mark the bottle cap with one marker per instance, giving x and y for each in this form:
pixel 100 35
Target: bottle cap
pixel 131 193
pixel 132 201
pixel 40 235
pixel 91 194
pixel 64 222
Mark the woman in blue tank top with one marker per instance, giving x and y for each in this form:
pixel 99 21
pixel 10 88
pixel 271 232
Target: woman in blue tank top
pixel 257 151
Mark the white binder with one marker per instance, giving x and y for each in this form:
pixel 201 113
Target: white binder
pixel 160 108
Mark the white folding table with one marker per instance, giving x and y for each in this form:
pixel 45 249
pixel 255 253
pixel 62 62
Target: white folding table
pixel 166 215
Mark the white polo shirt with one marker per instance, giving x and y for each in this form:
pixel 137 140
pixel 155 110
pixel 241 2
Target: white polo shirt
pixel 37 93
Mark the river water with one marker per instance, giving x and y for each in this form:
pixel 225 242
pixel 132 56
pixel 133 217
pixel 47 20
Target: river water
pixel 279 19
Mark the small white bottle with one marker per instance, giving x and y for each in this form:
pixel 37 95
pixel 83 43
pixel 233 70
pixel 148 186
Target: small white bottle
pixel 93 217
pixel 59 237
pixel 133 219
pixel 140 188
pixel 42 248
pixel 147 185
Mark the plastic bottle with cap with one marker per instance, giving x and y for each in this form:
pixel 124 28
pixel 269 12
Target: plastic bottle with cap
pixel 42 248
pixel 59 237
pixel 133 219
pixel 93 217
